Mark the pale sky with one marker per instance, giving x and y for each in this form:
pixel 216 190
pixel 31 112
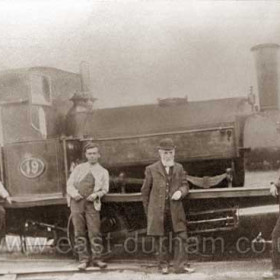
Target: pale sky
pixel 139 51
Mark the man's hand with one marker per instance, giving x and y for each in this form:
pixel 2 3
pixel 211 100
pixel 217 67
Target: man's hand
pixel 77 197
pixel 9 200
pixel 273 190
pixel 92 197
pixel 177 195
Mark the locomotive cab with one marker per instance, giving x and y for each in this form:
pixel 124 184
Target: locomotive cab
pixel 30 128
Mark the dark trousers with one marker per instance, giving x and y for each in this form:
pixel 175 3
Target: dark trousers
pixel 276 246
pixel 86 221
pixel 171 243
pixel 2 222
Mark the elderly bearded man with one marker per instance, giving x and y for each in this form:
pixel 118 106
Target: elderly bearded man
pixel 163 189
pixel 87 184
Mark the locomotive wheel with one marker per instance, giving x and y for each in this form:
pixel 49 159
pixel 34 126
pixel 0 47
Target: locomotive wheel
pixel 115 227
pixel 62 244
pixel 239 172
pixel 71 240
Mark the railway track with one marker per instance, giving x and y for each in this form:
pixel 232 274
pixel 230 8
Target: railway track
pixel 65 269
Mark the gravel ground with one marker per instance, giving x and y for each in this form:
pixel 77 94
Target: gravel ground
pixel 231 270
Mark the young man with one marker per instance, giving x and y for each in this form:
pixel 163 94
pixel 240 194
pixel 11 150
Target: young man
pixel 4 195
pixel 164 188
pixel 87 184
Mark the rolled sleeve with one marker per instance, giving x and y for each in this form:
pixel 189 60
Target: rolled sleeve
pixel 104 188
pixel 71 190
pixel 3 192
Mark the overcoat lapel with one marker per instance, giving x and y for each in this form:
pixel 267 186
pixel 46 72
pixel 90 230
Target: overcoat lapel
pixel 160 169
pixel 175 169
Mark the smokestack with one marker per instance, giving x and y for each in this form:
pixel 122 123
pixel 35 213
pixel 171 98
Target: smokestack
pixel 82 104
pixel 84 95
pixel 266 60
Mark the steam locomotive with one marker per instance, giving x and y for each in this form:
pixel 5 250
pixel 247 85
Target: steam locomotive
pixel 47 115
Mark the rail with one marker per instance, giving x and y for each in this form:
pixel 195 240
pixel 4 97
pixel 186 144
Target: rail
pixel 27 269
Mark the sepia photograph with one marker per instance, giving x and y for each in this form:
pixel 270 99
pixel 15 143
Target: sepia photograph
pixel 139 139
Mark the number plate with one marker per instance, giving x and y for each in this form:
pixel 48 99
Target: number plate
pixel 32 167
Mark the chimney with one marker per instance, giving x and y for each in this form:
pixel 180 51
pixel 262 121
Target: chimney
pixel 266 60
pixel 84 97
pixel 83 100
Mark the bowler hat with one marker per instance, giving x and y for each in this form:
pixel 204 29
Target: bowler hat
pixel 166 144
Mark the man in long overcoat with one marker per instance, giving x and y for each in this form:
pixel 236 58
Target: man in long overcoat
pixel 164 187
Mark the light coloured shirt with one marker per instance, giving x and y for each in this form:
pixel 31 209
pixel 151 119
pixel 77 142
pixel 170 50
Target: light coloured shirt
pixel 167 168
pixel 100 174
pixel 3 193
pixel 167 165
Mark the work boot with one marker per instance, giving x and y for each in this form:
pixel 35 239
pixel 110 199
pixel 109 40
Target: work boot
pixel 183 270
pixel 164 269
pixel 189 270
pixel 82 266
pixel 100 264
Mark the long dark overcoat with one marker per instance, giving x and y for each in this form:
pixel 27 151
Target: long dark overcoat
pixel 153 195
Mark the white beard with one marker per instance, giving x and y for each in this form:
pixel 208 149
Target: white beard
pixel 167 163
